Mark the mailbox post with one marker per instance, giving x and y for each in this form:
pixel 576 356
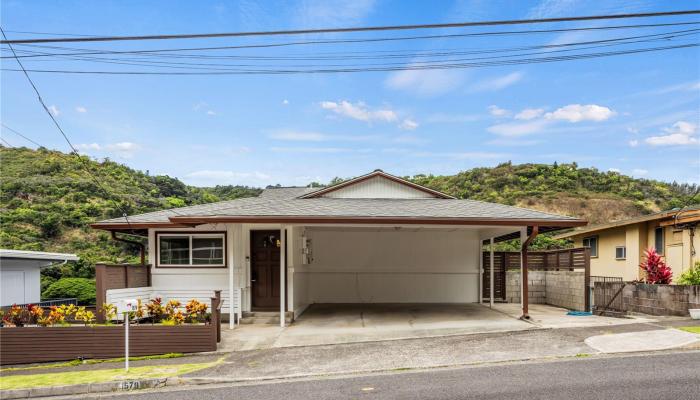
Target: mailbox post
pixel 128 306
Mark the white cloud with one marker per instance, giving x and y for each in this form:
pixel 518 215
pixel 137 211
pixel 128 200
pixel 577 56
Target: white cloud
pixel 497 111
pixel 639 171
pixel 81 109
pixel 552 8
pixel 518 129
pixel 409 139
pixel 211 112
pixel 529 113
pixel 425 82
pixel 54 110
pixel 633 143
pixel 578 112
pixel 616 170
pixel 499 83
pixel 121 149
pixel 408 124
pixel 632 129
pixel 679 134
pixel 285 102
pixel 359 111
pixel 199 105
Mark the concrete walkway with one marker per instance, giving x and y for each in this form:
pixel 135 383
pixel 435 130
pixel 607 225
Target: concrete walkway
pixel 324 324
pixel 662 339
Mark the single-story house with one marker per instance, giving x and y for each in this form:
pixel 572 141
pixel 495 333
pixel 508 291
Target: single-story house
pixel 376 238
pixel 617 248
pixel 20 274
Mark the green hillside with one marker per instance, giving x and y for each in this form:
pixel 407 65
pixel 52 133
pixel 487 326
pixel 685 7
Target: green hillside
pixel 48 199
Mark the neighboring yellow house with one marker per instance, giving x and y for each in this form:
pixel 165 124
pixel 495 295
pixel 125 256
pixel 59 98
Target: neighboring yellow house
pixel 617 248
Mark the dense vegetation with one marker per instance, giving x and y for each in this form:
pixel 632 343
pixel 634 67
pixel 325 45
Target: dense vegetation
pixel 48 200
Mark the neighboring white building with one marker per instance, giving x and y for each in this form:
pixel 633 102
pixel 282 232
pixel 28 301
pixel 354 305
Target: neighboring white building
pixel 373 239
pixel 20 274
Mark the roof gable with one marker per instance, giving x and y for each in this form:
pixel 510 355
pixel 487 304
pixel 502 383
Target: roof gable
pixel 377 185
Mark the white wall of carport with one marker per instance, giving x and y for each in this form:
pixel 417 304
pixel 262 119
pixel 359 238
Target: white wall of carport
pixel 21 281
pixel 375 265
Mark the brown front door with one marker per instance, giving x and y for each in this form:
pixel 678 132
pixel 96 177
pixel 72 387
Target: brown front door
pixel 265 269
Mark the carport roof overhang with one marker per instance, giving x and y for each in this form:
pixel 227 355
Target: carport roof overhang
pixel 545 225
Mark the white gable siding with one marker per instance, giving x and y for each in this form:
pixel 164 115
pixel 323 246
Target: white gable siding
pixel 378 188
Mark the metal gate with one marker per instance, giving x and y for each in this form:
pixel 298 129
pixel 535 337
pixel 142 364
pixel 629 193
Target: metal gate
pixel 607 295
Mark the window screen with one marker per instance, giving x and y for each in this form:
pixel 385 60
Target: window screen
pixel 659 240
pixel 191 249
pixel 620 252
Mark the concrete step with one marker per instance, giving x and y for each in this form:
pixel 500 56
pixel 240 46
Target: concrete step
pixel 265 317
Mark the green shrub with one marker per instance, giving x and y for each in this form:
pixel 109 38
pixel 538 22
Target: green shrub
pixel 81 288
pixel 691 276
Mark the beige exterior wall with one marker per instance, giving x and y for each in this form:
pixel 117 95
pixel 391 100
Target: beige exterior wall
pixel 637 238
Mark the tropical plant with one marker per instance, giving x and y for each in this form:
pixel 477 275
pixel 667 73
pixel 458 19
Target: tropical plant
pixel 691 276
pixel 35 313
pixel 173 314
pixel 196 311
pixel 140 312
pixel 15 316
pixel 81 314
pixel 109 311
pixel 655 269
pixel 155 309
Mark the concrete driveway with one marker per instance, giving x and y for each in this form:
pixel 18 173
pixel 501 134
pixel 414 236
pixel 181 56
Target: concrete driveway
pixel 324 324
pixel 350 323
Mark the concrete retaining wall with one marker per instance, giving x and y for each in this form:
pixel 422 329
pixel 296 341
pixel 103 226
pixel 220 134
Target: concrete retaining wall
pixel 660 299
pixel 558 288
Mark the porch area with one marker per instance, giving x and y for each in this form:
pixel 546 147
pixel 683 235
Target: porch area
pixel 324 324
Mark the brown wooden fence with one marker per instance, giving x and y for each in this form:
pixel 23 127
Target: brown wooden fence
pixel 42 344
pixel 549 260
pixel 119 276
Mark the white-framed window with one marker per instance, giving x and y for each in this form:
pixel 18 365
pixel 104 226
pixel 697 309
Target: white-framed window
pixel 659 240
pixel 620 252
pixel 191 249
pixel 591 242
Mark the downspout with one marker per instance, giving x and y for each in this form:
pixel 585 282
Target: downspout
pixel 525 292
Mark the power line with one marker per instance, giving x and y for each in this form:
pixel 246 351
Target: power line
pixel 167 52
pixel 377 69
pixel 75 151
pixel 339 41
pixel 5 141
pixel 355 29
pixel 20 135
pixel 594 44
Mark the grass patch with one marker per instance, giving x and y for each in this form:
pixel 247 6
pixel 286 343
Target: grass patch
pixel 104 375
pixel 691 329
pixel 582 355
pixel 74 363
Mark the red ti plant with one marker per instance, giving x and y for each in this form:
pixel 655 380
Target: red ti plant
pixel 656 270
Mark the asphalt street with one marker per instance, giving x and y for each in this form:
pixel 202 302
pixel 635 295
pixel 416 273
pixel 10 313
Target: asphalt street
pixel 659 376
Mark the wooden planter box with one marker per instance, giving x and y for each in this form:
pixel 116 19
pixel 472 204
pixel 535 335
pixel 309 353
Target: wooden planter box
pixel 41 344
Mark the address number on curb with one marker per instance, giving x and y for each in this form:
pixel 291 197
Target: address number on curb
pixel 129 385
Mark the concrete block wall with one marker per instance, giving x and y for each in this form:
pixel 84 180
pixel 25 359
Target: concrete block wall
pixel 566 289
pixel 660 299
pixel 558 288
pixel 536 289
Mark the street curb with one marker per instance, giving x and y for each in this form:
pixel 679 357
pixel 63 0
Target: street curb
pixel 86 388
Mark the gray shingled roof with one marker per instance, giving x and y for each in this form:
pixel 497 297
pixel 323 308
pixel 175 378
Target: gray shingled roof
pixel 284 202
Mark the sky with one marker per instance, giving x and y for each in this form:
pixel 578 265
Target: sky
pixel 636 114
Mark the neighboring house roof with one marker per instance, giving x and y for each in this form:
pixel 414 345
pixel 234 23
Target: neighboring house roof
pixel 377 173
pixel 37 255
pixel 668 215
pixel 307 205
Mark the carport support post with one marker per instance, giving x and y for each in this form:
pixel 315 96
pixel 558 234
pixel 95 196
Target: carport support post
pixel 524 293
pixel 481 271
pixel 283 275
pixel 491 272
